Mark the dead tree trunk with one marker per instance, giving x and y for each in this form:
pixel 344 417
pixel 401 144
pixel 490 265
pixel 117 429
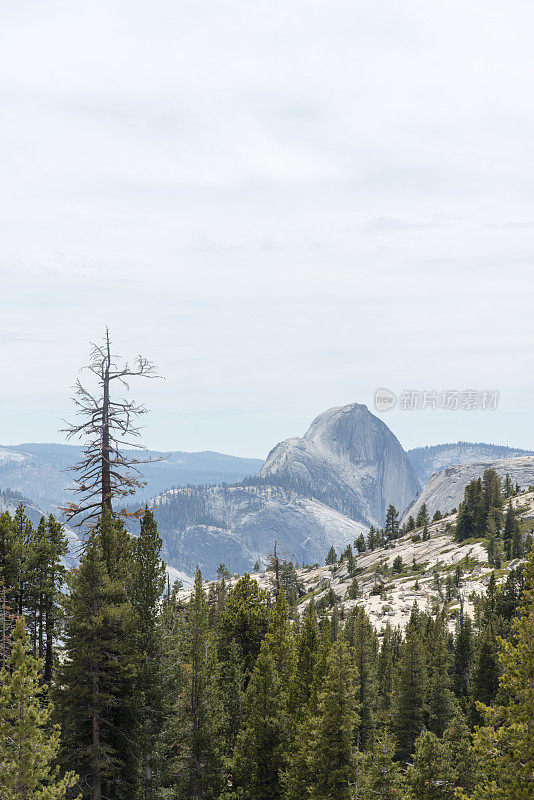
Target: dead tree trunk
pixel 105 464
pixel 106 471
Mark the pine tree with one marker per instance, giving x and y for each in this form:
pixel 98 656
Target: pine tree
pixel 508 486
pixel 378 775
pixel 392 523
pixel 410 525
pixel 462 655
pixel 306 663
pixel 461 754
pixel 430 776
pixel 422 518
pixel 332 756
pixel 361 638
pixel 261 745
pixel 508 530
pixel 281 642
pixel 441 702
pixel 410 693
pixel 331 557
pixel 28 743
pixel 97 677
pixel 23 535
pixel 485 678
pixel 193 766
pixel 505 743
pixel 384 671
pixel 517 547
pixel 56 547
pixel 245 621
pixel 147 586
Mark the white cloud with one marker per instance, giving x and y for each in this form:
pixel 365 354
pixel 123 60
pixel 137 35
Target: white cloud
pixel 283 204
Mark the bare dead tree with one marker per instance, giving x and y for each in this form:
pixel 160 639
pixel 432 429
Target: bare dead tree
pixel 106 471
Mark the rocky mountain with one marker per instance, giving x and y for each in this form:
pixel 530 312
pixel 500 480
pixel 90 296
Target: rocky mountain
pixel 312 492
pixel 41 471
pixel 445 490
pixel 428 460
pixel 350 460
pixel 238 525
pixel 388 596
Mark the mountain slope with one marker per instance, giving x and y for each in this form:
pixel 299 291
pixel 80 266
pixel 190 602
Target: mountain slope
pixel 389 598
pixel 351 460
pixel 313 492
pixel 445 490
pixel 238 526
pixel 41 471
pixel 427 460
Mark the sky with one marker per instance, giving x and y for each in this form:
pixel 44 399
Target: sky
pixel 285 205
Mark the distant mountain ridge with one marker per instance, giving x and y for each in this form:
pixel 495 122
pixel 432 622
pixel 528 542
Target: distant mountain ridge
pixel 445 489
pixel 433 458
pixel 41 471
pixel 238 525
pixel 313 492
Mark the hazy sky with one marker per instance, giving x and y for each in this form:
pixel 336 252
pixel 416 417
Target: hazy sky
pixel 284 204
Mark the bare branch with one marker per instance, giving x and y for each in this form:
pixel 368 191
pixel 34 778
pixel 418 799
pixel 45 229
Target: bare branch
pixel 107 425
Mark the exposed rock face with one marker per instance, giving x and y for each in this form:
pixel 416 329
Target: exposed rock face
pixel 238 526
pixel 352 462
pixel 445 490
pixel 416 582
pixel 428 460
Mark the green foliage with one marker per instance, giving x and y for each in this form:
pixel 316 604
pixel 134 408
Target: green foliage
pixel 363 647
pixel 378 775
pixel 480 513
pixel 504 744
pixel 409 703
pixel 147 584
pixel 353 592
pixel 261 745
pixel 331 557
pixel 397 565
pixel 235 695
pixel 430 776
pixel 332 756
pixel 28 742
pixel 96 688
pixel 391 528
pixel 422 518
pixel 32 571
pixel 193 763
pixel 244 620
pixel 441 701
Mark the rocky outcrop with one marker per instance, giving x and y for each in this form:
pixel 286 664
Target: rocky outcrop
pixel 445 490
pixel 239 525
pixel 428 460
pixel 416 583
pixel 350 460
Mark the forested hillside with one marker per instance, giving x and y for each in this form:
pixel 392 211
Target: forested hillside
pixel 242 692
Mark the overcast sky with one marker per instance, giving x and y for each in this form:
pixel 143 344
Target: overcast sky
pixel 284 204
